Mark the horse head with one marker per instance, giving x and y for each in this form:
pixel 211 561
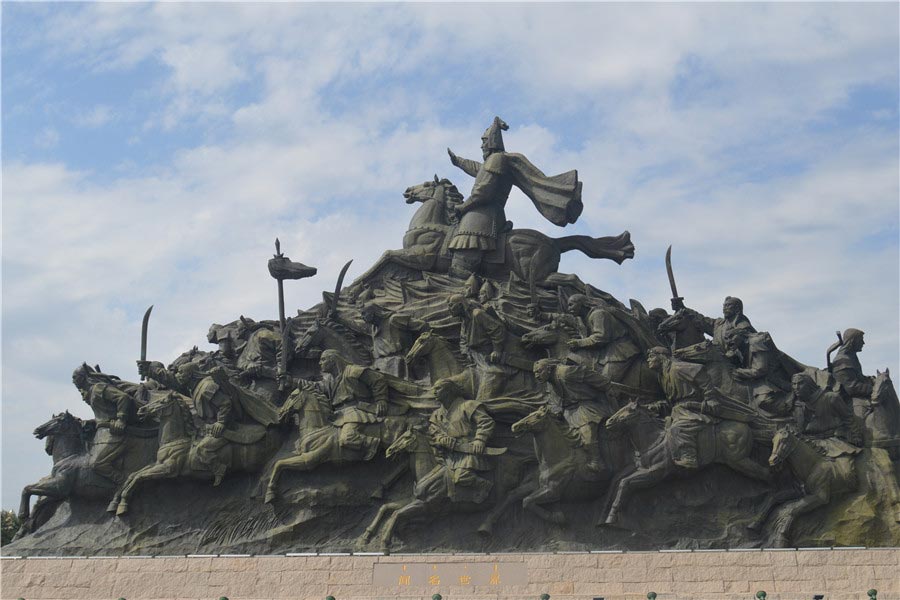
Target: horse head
pixel 62 424
pixel 883 387
pixel 308 339
pixel 624 418
pixel 534 421
pixel 422 192
pixel 159 406
pixel 672 324
pixel 433 189
pixel 542 336
pixel 405 442
pixel 423 346
pixel 783 444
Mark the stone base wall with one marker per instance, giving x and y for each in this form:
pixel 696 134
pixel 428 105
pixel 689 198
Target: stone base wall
pixel 700 575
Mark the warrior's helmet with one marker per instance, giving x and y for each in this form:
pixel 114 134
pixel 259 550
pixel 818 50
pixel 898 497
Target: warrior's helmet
pixel 493 136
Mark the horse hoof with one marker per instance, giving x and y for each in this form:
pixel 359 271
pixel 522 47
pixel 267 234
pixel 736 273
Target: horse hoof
pixel 558 518
pixel 270 497
pixel 378 494
pixel 123 509
pixel 112 507
pixel 612 519
pixel 485 531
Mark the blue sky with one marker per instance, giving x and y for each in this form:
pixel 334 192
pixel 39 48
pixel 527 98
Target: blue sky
pixel 152 153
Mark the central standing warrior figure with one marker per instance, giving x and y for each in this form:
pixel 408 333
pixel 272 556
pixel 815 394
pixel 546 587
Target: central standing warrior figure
pixel 482 215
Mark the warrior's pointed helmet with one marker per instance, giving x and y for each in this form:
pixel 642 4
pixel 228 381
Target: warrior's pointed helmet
pixel 493 135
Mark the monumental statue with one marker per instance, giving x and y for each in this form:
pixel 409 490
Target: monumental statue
pixel 462 394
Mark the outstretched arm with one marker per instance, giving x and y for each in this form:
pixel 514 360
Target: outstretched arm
pixel 469 167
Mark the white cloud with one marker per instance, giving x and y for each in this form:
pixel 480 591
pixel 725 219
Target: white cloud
pixel 96 116
pixel 47 138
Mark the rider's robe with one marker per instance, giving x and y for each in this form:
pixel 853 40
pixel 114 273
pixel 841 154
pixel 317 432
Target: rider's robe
pixel 720 328
pixel 464 421
pixel 390 340
pixel 827 415
pixel 262 351
pixel 770 382
pixel 612 342
pixel 582 395
pixel 110 404
pixel 848 372
pixel 557 198
pixel 683 384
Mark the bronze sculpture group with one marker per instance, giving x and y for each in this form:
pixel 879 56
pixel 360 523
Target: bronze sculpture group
pixel 506 382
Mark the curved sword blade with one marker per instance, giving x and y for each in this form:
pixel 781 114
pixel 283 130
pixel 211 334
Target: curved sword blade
pixel 337 289
pixel 670 273
pixel 144 326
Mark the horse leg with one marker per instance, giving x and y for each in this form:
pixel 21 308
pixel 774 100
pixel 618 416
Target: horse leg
pixel 305 461
pixel 773 500
pixel 781 534
pixel 642 478
pixel 149 473
pixel 372 529
pixel 545 495
pixel 390 480
pixel 409 511
pixel 610 493
pixel 48 486
pixel 486 528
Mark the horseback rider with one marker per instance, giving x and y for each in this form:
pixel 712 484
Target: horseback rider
pixel 732 318
pixel 761 368
pixel 825 414
pixel 482 215
pixel 482 337
pixel 683 383
pixel 459 429
pixel 393 334
pixel 582 398
pixel 221 405
pixel 114 410
pixel 848 372
pixel 612 347
pixel 359 395
pixel 261 353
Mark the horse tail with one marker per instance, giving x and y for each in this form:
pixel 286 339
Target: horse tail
pixel 617 247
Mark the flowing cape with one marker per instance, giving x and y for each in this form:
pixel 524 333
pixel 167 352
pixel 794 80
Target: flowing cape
pixel 558 198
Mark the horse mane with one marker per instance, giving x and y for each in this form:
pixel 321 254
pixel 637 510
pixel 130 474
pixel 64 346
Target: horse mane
pixel 185 414
pixel 349 335
pixel 450 191
pixel 810 442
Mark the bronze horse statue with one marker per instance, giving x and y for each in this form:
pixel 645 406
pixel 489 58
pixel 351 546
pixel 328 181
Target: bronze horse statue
pixel 435 500
pixel 69 440
pixel 246 452
pixel 724 442
pixel 530 254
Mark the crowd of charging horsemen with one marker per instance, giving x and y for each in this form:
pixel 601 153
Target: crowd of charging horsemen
pixel 464 348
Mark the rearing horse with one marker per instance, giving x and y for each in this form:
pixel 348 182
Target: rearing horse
pixel 528 253
pixel 72 475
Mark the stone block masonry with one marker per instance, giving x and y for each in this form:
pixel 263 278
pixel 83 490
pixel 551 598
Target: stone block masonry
pixel 700 575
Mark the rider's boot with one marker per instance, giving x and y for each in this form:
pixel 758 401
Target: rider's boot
pixel 218 471
pixel 687 458
pixel 370 446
